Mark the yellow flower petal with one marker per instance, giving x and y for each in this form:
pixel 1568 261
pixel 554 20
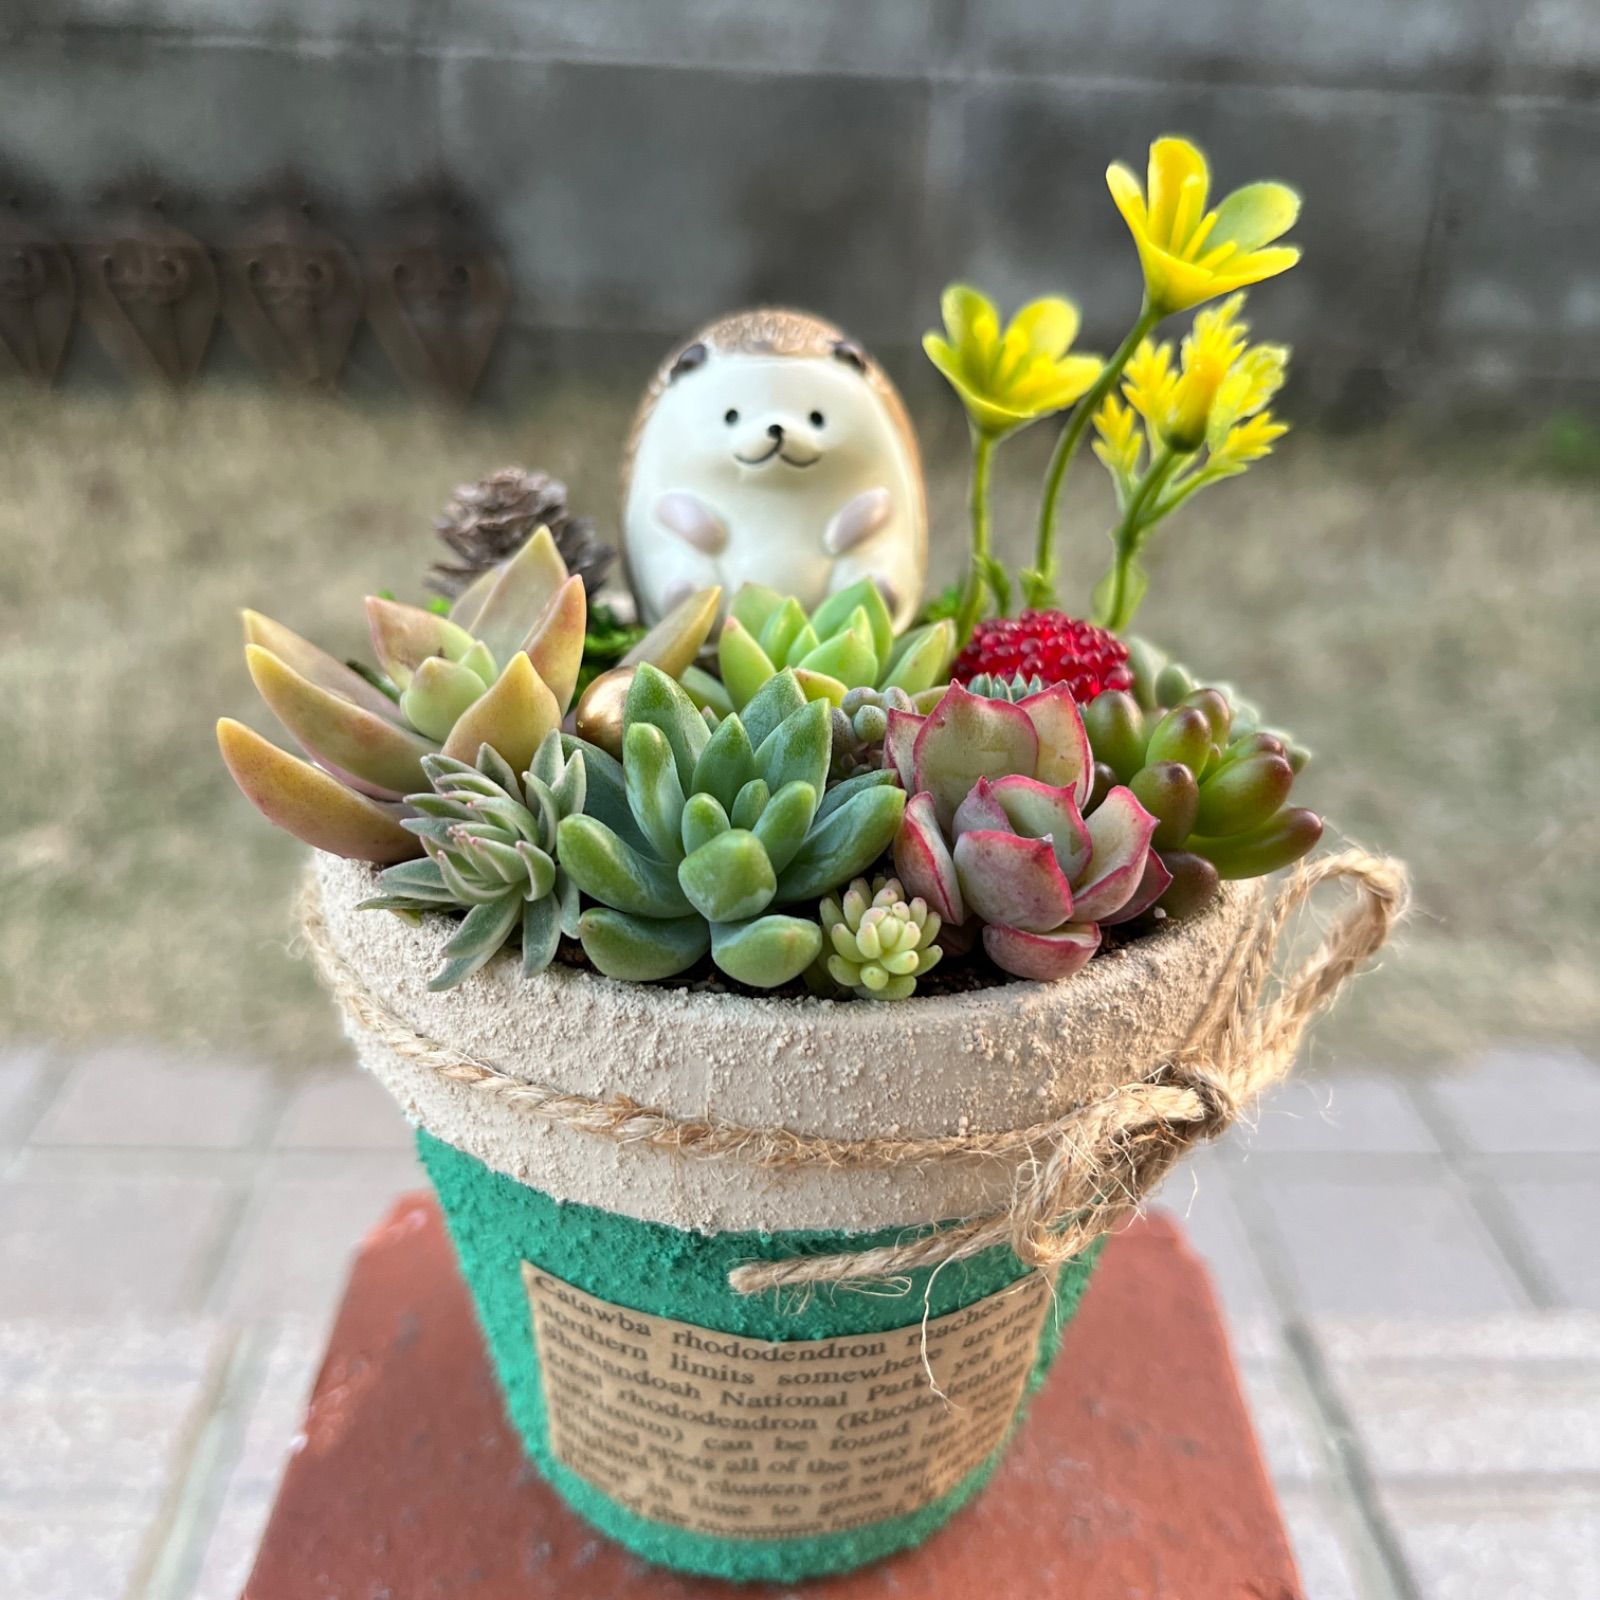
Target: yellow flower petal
pixel 1179 184
pixel 1129 197
pixel 1049 326
pixel 1255 215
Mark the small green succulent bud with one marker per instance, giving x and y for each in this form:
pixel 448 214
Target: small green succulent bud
pixel 860 722
pixel 880 943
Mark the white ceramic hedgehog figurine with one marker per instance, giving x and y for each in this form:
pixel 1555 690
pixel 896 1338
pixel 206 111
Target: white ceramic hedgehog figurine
pixel 773 449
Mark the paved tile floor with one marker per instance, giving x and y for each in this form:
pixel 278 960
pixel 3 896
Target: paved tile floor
pixel 1409 1266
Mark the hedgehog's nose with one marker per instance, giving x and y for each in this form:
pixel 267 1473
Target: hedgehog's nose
pixel 775 430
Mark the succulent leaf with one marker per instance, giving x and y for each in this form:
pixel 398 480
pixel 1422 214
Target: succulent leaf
pixel 923 862
pixel 305 801
pixel 726 764
pixel 963 739
pixel 703 820
pixel 514 718
pixel 877 942
pixel 1043 957
pixel 1120 831
pixel 383 756
pixel 438 696
pixel 847 843
pixel 654 793
pixel 611 871
pixel 656 699
pixel 766 952
pixel 1064 759
pixel 782 822
pixel 403 637
pixel 523 587
pixel 642 949
pixel 729 878
pixel 1010 879
pixel 316 665
pixel 555 642
pixel 798 749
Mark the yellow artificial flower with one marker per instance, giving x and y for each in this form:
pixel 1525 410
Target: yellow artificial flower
pixel 1009 378
pixel 1220 380
pixel 1190 254
pixel 1120 440
pixel 1148 381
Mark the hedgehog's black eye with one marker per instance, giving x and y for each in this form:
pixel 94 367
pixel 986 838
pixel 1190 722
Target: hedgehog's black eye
pixel 730 416
pixel 817 419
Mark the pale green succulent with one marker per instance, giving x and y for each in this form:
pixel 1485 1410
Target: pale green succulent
pixel 860 722
pixel 847 643
pixel 695 838
pixel 881 943
pixel 491 851
pixel 989 686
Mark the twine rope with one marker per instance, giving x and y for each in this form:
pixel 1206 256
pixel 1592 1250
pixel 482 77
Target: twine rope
pixel 1077 1177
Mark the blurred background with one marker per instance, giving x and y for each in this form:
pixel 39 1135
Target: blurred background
pixel 276 278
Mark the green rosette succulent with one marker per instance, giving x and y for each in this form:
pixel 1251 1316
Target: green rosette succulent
pixel 1219 790
pixel 499 669
pixel 847 643
pixel 696 839
pixel 491 852
pixel 879 942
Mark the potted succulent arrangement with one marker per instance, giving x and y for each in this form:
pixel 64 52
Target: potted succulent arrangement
pixel 815 946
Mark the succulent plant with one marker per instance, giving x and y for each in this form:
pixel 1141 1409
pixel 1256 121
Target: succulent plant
pixel 879 943
pixel 989 686
pixel 860 721
pixel 995 829
pixel 1219 792
pixel 692 841
pixel 499 669
pixel 491 851
pixel 1160 683
pixel 847 643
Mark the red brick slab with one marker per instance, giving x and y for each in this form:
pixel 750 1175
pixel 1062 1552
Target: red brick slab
pixel 1136 1476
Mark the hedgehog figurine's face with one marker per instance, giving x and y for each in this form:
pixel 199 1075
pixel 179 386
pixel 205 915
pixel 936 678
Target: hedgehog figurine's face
pixel 756 420
pixel 772 450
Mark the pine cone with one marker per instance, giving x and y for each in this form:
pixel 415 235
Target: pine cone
pixel 489 521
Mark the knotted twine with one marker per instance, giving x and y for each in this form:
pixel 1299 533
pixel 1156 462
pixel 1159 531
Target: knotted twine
pixel 1077 1177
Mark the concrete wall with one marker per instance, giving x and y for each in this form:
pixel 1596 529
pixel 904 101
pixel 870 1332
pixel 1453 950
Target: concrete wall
pixel 646 162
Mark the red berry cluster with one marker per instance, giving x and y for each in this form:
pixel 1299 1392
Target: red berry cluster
pixel 1050 645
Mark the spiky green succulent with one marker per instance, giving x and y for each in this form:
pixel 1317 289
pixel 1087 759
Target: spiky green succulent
pixel 1219 792
pixel 491 852
pixel 990 686
pixel 860 722
pixel 879 942
pixel 499 669
pixel 847 643
pixel 696 839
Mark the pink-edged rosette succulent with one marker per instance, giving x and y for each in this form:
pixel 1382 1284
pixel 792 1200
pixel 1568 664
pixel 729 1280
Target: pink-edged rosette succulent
pixel 995 829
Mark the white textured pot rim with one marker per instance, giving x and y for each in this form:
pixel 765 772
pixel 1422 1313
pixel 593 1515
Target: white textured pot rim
pixel 981 1061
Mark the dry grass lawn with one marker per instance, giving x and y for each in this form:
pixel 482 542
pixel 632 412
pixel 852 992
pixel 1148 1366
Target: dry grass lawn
pixel 1424 620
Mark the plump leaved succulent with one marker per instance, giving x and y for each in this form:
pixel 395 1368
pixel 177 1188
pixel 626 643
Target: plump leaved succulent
pixel 499 669
pixel 847 643
pixel 1159 683
pixel 1219 791
pixel 995 830
pixel 491 852
pixel 695 839
pixel 860 722
pixel 878 942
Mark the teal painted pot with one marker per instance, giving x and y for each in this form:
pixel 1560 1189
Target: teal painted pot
pixel 499 1225
pixel 776 1435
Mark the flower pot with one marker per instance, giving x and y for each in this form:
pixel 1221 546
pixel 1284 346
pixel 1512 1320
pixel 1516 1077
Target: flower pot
pixel 780 1434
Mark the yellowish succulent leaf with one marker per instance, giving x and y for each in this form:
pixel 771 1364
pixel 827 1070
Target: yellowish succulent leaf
pixel 513 716
pixel 309 803
pixel 674 642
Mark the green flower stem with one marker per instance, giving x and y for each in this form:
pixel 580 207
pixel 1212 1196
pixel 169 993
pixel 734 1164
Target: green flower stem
pixel 978 567
pixel 1040 584
pixel 1130 535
